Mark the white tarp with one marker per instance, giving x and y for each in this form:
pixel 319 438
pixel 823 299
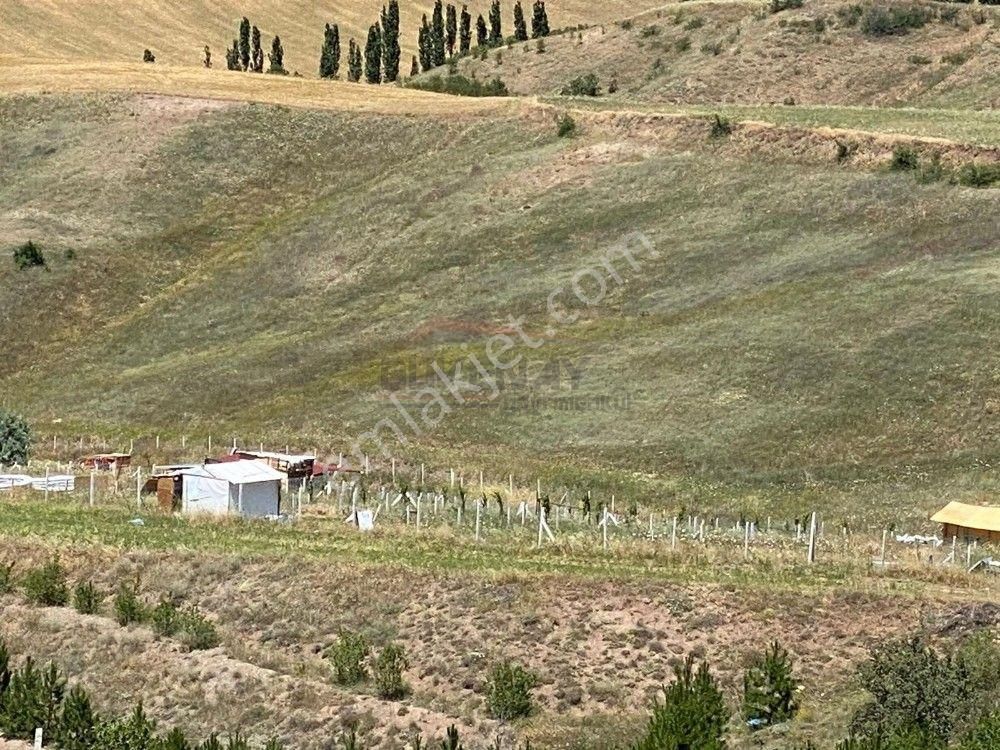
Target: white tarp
pixel 249 488
pixel 9 481
pixel 54 483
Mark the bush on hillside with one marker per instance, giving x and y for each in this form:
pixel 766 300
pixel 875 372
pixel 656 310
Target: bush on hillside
pixel 904 159
pixel 722 127
pixel 388 672
pixel 779 5
pixel 565 125
pixel 978 175
pixel 47 585
pixel 197 632
pixel 86 600
pixel 587 85
pixel 459 85
pixel 347 656
pixel 15 439
pixel 693 713
pixel 148 56
pixel 769 689
pixel 6 578
pixel 883 20
pixel 510 687
pixel 28 255
pixel 128 607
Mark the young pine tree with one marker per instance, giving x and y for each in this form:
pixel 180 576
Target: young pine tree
pixel 276 58
pixel 539 20
pixel 481 33
pixel 437 34
pixel 693 713
pixel 451 29
pixel 256 52
pixel 414 67
pixel 373 55
pixel 520 27
pixel 465 32
pixel 769 689
pixel 496 31
pixel 424 45
pixel 390 41
pixel 78 722
pixel 245 44
pixel 207 59
pixel 329 59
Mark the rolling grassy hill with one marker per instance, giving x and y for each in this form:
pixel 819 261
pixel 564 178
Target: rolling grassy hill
pixel 738 52
pixel 809 333
pixel 177 32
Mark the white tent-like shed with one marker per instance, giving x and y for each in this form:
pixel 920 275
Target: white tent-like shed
pixel 246 488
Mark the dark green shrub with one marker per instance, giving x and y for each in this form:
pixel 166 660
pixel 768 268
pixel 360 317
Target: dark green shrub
pixel 721 127
pixel 779 5
pixel 32 699
pixel 510 687
pixel 565 126
pixel 148 56
pixel 904 158
pixel 978 175
pixel 884 20
pixel 712 48
pixel 166 617
pixel 47 585
pixel 932 171
pixel 388 672
pixel 693 713
pixel 849 15
pixel 128 607
pixel 78 722
pixel 955 58
pixel 919 60
pixel 15 439
pixel 769 689
pixel 683 44
pixel 914 690
pixel 175 740
pixel 459 85
pixel 197 633
pixel 134 732
pixel 28 255
pixel 86 600
pixel 587 85
pixel 695 23
pixel 649 31
pixel 347 657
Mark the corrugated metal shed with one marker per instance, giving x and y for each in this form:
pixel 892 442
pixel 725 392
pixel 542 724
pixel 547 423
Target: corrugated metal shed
pixel 979 522
pixel 236 472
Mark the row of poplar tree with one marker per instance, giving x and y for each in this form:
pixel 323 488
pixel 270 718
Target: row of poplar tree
pixel 437 40
pixel 247 54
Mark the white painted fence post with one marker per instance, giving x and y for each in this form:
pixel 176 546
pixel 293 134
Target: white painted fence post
pixel 93 479
pixel 673 535
pixel 478 510
pixel 138 487
pixel 38 738
pixel 812 537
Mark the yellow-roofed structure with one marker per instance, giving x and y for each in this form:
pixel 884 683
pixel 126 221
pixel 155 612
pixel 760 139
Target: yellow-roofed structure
pixel 969 522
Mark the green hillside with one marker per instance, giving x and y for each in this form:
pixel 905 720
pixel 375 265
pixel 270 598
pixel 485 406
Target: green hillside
pixel 809 334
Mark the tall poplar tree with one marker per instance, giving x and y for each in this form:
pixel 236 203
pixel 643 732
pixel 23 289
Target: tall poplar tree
pixel 520 27
pixel 256 53
pixel 414 67
pixel 329 59
pixel 245 44
pixel 465 32
pixel 437 34
pixel 451 29
pixel 390 40
pixel 354 66
pixel 424 45
pixel 373 55
pixel 496 31
pixel 481 31
pixel 233 56
pixel 539 20
pixel 276 58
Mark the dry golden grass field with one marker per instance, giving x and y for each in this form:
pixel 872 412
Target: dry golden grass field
pixel 119 30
